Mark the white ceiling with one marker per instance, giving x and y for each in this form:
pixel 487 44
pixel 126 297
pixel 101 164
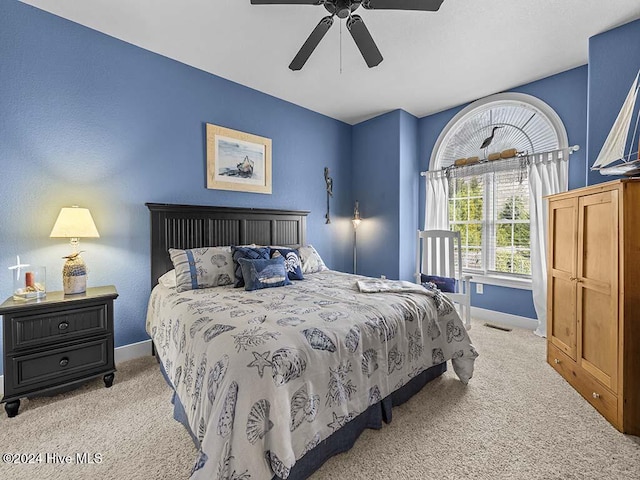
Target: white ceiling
pixel 432 60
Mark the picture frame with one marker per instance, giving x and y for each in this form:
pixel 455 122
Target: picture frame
pixel 238 161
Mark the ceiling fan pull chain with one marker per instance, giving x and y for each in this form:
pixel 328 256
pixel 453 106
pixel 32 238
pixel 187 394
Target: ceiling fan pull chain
pixel 340 48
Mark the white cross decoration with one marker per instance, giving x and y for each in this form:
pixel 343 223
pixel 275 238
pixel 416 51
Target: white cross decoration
pixel 18 265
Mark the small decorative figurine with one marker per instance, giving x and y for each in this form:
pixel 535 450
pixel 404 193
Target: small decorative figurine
pixel 329 181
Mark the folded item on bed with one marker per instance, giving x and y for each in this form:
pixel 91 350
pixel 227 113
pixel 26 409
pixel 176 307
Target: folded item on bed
pixel 379 285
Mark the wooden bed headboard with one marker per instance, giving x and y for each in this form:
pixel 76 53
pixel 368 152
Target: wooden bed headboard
pixel 194 226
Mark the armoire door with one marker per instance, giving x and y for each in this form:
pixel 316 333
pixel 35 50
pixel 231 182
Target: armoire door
pixel 597 286
pixel 561 291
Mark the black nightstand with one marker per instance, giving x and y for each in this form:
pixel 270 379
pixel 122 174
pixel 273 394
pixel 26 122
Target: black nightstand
pixel 56 342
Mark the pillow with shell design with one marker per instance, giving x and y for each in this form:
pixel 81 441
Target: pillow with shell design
pixel 202 267
pixel 311 260
pixel 292 263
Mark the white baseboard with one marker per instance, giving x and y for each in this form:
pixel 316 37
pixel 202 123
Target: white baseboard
pixel 133 350
pixel 121 354
pixel 505 319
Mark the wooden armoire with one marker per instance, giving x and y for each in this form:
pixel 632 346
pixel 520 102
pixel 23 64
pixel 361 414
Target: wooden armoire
pixel 593 297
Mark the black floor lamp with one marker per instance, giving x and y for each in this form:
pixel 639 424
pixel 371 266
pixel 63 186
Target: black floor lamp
pixel 356 222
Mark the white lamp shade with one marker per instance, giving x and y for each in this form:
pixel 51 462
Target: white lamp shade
pixel 74 222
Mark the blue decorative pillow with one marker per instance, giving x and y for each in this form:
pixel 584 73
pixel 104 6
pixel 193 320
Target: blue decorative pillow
pixel 444 284
pixel 249 253
pixel 292 263
pixel 264 273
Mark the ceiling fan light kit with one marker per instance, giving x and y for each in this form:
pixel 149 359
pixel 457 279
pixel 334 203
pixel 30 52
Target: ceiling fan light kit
pixel 344 9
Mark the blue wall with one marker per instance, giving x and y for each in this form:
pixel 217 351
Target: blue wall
pixel 566 93
pixel 376 183
pixel 515 301
pixel 409 193
pixel 385 168
pixel 614 60
pixel 89 120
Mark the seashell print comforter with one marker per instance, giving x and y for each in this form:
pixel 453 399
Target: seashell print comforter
pixel 264 376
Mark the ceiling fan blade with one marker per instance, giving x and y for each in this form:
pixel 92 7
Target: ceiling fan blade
pixel 364 41
pixel 286 2
pixel 424 5
pixel 312 42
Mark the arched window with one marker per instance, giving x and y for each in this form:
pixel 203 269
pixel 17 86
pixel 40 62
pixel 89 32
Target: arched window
pixel 491 210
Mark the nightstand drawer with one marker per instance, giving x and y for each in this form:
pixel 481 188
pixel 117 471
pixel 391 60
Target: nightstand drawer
pixel 58 325
pixel 61 364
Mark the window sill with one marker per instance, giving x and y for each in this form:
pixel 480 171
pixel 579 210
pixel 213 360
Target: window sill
pixel 523 284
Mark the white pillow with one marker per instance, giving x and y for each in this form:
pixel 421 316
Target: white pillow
pixel 311 260
pixel 168 279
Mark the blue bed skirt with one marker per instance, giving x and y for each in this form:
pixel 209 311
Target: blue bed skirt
pixel 343 439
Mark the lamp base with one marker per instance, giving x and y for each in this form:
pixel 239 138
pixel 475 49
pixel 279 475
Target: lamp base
pixel 74 275
pixel 74 284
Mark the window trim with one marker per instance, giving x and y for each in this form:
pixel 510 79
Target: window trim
pixel 512 281
pixel 511 97
pixel 501 281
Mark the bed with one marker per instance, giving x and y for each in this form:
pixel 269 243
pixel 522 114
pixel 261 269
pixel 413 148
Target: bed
pixel 270 383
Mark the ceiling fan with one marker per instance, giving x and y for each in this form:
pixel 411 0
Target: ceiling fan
pixel 355 24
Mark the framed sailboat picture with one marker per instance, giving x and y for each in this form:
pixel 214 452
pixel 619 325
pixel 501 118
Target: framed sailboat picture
pixel 238 161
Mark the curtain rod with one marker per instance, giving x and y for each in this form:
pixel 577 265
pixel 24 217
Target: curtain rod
pixel 571 149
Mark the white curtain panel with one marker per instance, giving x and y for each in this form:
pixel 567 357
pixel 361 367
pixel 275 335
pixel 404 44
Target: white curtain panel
pixel 436 212
pixel 548 174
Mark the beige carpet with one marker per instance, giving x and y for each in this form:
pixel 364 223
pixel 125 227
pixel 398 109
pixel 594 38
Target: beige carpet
pixel 517 419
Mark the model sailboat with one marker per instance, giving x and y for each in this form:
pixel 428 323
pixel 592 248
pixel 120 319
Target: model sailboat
pixel 614 146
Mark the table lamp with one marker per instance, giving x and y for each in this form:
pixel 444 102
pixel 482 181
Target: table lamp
pixel 74 223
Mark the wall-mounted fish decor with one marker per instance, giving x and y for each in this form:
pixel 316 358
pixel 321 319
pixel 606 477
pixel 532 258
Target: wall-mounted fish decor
pixel 329 181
